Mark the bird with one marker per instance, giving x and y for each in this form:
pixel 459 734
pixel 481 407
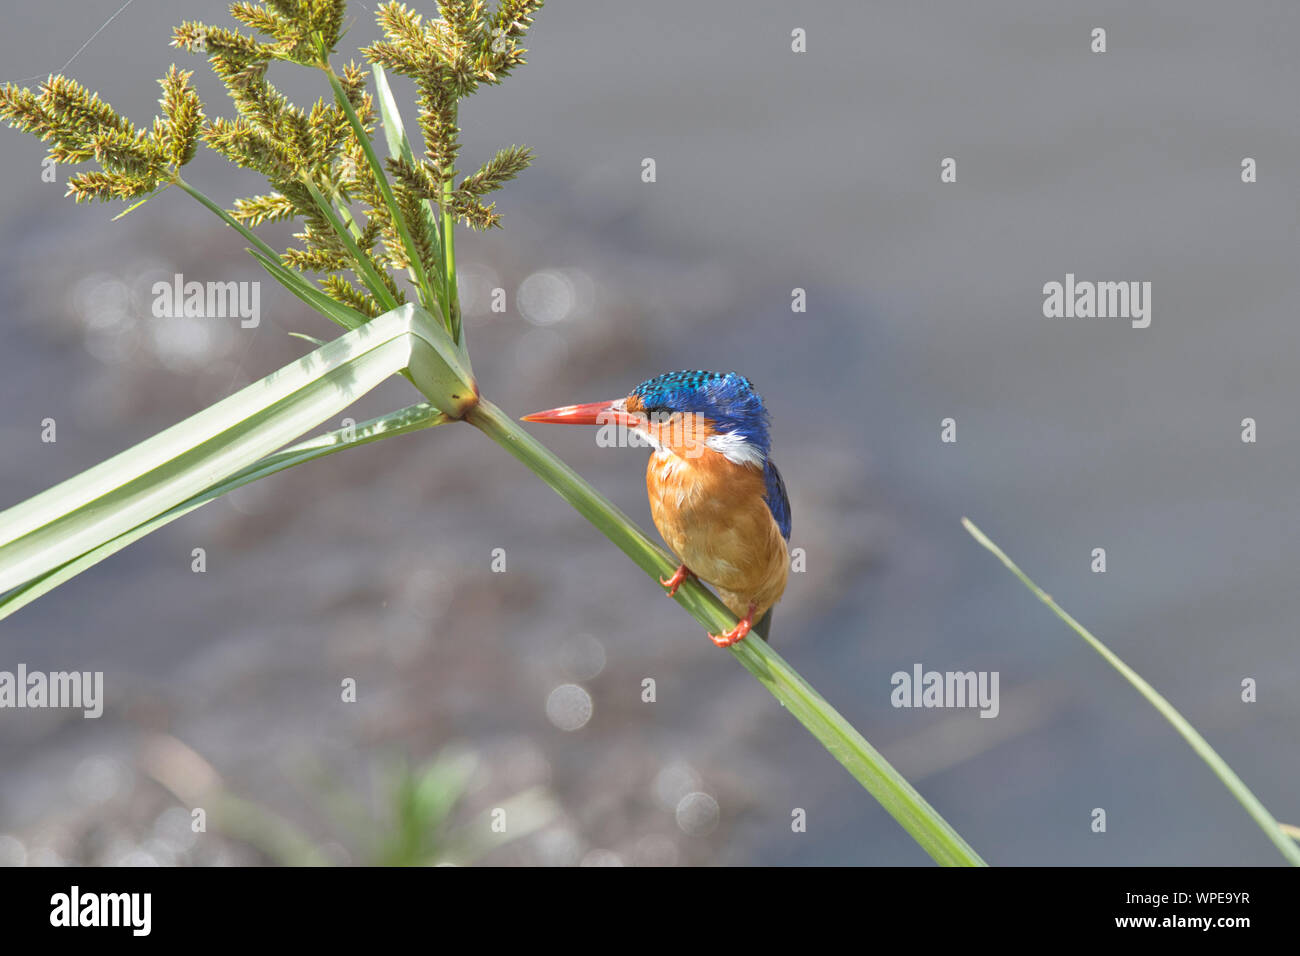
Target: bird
pixel 716 496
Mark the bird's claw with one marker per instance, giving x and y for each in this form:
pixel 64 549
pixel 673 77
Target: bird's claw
pixel 673 583
pixel 737 633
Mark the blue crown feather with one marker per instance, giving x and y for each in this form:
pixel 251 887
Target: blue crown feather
pixel 726 399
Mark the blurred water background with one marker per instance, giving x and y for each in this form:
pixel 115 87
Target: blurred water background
pixel 775 170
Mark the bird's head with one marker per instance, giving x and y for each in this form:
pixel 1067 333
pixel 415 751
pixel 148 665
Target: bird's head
pixel 684 413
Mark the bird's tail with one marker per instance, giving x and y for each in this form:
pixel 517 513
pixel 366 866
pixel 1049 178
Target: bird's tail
pixel 764 625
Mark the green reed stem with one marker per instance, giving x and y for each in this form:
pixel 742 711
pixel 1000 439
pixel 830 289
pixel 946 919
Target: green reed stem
pixel 1235 785
pixel 935 835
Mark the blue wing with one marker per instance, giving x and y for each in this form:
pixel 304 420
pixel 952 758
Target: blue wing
pixel 778 502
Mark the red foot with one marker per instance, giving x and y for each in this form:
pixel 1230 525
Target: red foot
pixel 737 633
pixel 673 583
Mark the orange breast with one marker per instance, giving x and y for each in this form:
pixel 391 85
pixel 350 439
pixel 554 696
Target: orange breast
pixel 712 515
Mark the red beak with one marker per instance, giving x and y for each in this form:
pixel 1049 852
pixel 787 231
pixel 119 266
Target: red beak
pixel 592 413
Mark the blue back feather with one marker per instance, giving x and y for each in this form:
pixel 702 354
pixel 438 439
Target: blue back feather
pixel 778 502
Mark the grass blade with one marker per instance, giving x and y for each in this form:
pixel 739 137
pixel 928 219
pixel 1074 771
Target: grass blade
pixel 451 295
pixel 335 311
pixel 311 339
pixel 136 485
pixel 1235 786
pixel 228 219
pixel 365 269
pixel 400 146
pixel 402 422
pixel 427 297
pixel 318 301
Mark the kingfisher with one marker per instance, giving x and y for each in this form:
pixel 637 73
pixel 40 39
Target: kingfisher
pixel 715 494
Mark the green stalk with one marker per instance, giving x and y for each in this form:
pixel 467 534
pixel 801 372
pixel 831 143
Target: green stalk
pixel 399 146
pixel 361 262
pixel 403 231
pixel 845 744
pixel 229 220
pixel 1198 743
pixel 451 295
pixel 316 300
pixel 337 312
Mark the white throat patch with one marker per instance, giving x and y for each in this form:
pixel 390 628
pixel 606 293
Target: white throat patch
pixel 736 449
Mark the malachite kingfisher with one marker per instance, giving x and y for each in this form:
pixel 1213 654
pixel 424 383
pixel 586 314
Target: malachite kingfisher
pixel 715 495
